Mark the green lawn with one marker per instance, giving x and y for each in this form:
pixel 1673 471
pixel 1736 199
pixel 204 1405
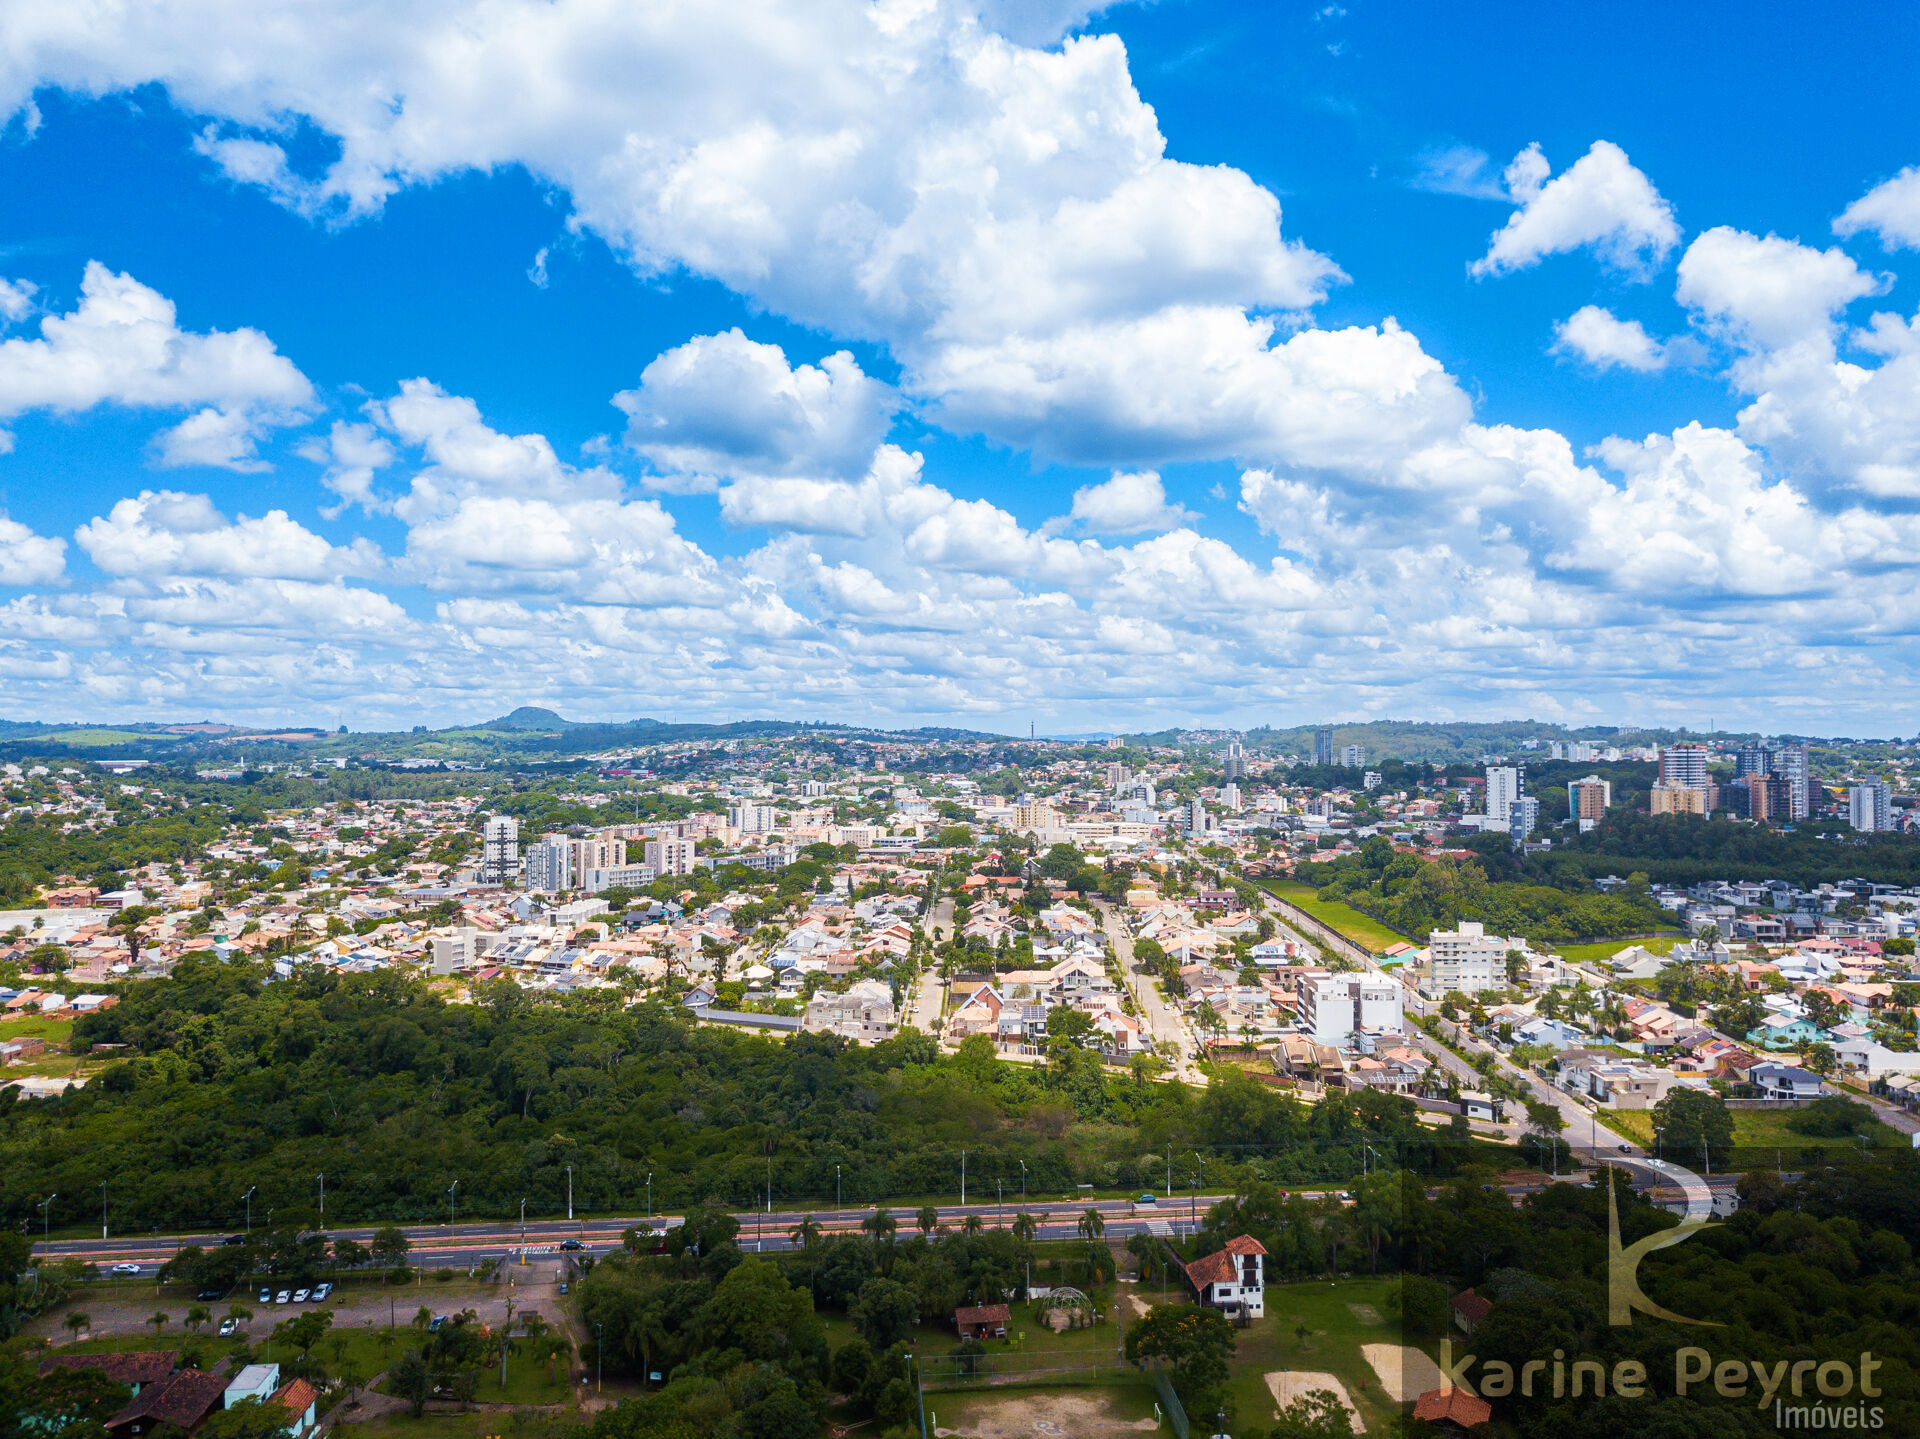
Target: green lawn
pixel 56 1032
pixel 1607 948
pixel 1363 930
pixel 1332 1313
pixel 1760 1130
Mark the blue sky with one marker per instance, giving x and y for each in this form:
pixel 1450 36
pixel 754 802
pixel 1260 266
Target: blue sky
pixel 1196 363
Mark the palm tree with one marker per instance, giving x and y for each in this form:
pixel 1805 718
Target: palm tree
pixel 1091 1225
pixel 1024 1227
pixel 76 1321
pixel 972 1225
pixel 928 1218
pixel 422 1317
pixel 197 1316
pixel 160 1322
pixel 880 1224
pixel 806 1233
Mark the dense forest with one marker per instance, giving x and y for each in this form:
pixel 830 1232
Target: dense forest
pixel 1686 849
pixel 1416 895
pixel 230 1082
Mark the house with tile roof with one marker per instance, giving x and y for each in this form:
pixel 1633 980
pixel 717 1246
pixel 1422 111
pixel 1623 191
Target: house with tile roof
pixel 181 1400
pixel 1232 1279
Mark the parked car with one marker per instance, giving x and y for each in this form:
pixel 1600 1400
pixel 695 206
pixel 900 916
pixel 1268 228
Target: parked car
pixel 227 1326
pixel 435 1324
pixel 208 1294
pixel 127 1267
pixel 321 1292
pixel 301 1296
pixel 283 1296
pixel 563 1287
pixel 266 1296
pixel 571 1244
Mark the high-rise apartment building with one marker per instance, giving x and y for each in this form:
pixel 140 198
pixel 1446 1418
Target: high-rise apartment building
pixel 1684 765
pixel 1505 784
pixel 669 856
pixel 1870 806
pixel 1323 746
pixel 1523 817
pixel 751 818
pixel 1353 756
pixel 1197 819
pixel 550 864
pixel 1667 798
pixel 1235 761
pixel 1588 800
pixel 1230 796
pixel 1790 762
pixel 499 849
pixel 1752 759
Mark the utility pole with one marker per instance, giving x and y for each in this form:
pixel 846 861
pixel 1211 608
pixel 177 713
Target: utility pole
pixel 450 1188
pixel 46 1216
pixel 1023 1182
pixel 598 1346
pixel 523 1231
pixel 649 1194
pixel 963 1179
pixel 248 1196
pixel 836 1189
pixel 569 1191
pixel 103 1209
pixel 323 1199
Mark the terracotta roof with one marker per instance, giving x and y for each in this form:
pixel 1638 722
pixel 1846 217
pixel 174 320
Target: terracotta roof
pixel 183 1399
pixel 982 1314
pixel 1454 1405
pixel 1472 1307
pixel 1245 1244
pixel 143 1367
pixel 1216 1268
pixel 298 1396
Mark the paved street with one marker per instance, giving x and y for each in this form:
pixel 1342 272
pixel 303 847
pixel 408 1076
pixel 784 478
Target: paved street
pixel 1163 1021
pixel 924 1000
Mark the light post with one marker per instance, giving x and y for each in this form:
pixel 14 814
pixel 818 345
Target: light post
pixel 963 1179
pixel 649 1194
pixel 248 1196
pixel 323 1199
pixel 598 1346
pixel 450 1188
pixel 523 1230
pixel 569 1191
pixel 103 1209
pixel 1023 1181
pixel 46 1216
pixel 836 1189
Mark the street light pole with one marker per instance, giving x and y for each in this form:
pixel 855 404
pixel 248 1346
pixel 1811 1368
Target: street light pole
pixel 836 1189
pixel 323 1198
pixel 569 1191
pixel 649 1194
pixel 450 1188
pixel 248 1196
pixel 46 1216
pixel 598 1346
pixel 1023 1181
pixel 963 1179
pixel 103 1209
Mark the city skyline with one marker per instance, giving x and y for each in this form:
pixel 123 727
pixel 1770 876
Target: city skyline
pixel 1152 367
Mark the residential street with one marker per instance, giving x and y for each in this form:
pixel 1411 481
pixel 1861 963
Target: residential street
pixel 924 1000
pixel 1163 1021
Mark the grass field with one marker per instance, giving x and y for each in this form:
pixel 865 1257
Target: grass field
pixel 1339 1317
pixel 1104 1411
pixel 1607 948
pixel 1760 1130
pixel 1362 929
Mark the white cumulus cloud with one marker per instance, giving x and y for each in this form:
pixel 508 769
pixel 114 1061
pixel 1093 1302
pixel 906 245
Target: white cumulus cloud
pixel 1890 210
pixel 1604 340
pixel 1600 202
pixel 1128 503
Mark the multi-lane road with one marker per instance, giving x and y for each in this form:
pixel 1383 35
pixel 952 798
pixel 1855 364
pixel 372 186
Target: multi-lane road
pixel 461 1245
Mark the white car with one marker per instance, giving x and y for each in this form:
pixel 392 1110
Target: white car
pixel 227 1327
pixel 126 1268
pixel 320 1293
pixel 300 1296
pixel 283 1296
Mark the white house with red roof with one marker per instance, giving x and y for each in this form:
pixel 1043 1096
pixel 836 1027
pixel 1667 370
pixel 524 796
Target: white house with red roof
pixel 1233 1279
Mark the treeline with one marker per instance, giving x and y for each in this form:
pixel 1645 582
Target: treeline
pixel 1687 849
pixel 1416 896
pixel 231 1083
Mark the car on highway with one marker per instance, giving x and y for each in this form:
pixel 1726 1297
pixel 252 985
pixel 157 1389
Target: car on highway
pixel 266 1296
pixel 227 1327
pixel 1626 1149
pixel 571 1244
pixel 283 1296
pixel 320 1293
pixel 235 1239
pixel 127 1267
pixel 1147 1198
pixel 301 1296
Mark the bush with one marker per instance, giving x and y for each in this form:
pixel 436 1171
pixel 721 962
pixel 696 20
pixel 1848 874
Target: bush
pixel 1831 1118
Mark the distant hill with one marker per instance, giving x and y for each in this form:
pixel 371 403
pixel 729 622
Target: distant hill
pixel 530 717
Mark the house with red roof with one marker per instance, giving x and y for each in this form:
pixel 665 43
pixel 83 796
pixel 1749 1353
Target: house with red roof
pixel 1233 1279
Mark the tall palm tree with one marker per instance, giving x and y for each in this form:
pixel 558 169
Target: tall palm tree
pixel 806 1233
pixel 1024 1227
pixel 972 1225
pixel 197 1316
pixel 76 1321
pixel 1091 1225
pixel 881 1225
pixel 160 1322
pixel 928 1218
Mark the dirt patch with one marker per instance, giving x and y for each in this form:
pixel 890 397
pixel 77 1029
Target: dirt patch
pixel 1290 1384
pixel 1039 1416
pixel 1405 1373
pixel 1365 1313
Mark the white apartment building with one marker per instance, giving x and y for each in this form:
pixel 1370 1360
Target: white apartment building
pixel 619 876
pixel 1335 1006
pixel 1505 784
pixel 1353 756
pixel 499 849
pixel 550 864
pixel 1467 960
pixel 750 818
pixel 1870 806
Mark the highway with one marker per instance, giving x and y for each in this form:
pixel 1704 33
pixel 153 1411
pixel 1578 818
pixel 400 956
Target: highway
pixel 460 1245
